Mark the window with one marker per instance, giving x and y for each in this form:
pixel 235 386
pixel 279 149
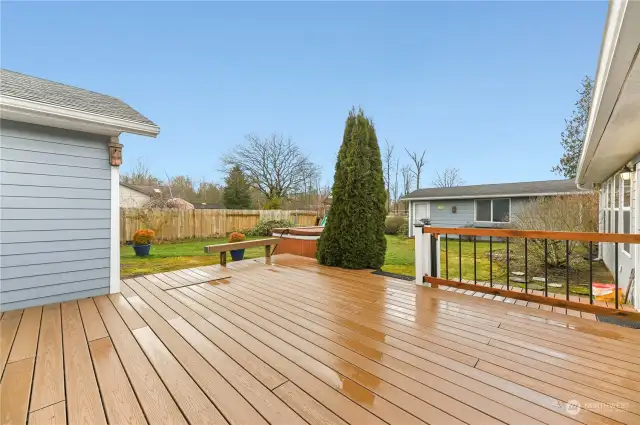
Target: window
pixel 493 210
pixel 616 204
pixel 483 210
pixel 625 192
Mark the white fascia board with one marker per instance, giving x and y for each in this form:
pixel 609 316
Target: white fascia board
pixel 22 110
pixel 516 195
pixel 617 53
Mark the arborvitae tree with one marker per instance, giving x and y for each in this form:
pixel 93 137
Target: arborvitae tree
pixel 236 193
pixel 354 234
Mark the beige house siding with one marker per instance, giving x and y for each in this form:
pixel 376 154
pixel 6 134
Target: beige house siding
pixel 130 198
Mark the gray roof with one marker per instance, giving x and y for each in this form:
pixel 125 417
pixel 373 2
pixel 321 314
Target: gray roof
pixel 39 90
pixel 546 187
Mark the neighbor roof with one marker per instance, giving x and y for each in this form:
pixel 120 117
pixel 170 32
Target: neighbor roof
pixel 21 86
pixel 547 187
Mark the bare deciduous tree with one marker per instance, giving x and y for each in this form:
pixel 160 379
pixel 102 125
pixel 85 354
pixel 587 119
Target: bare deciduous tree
pixel 407 179
pixel 395 190
pixel 418 162
pixel 275 166
pixel 450 177
pixel 140 175
pixel 387 168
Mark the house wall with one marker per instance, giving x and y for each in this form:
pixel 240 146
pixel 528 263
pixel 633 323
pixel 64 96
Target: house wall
pixel 130 198
pixel 625 260
pixel 442 215
pixel 55 199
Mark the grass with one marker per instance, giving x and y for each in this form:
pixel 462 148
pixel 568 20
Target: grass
pixel 399 259
pixel 175 256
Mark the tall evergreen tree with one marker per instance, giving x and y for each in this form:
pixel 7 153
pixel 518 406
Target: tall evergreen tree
pixel 236 194
pixel 574 133
pixel 354 234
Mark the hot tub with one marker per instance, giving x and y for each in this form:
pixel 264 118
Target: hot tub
pixel 298 240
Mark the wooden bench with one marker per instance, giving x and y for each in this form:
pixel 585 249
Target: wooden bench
pixel 224 247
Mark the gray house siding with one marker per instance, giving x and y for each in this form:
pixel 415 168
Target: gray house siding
pixel 55 215
pixel 442 214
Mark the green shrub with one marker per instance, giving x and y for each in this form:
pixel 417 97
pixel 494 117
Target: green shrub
pixel 392 225
pixel 403 229
pixel 265 227
pixel 353 236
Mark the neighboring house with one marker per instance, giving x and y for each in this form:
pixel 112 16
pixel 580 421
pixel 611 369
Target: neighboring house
pixel 59 192
pixel 208 206
pixel 132 196
pixel 611 151
pixel 484 205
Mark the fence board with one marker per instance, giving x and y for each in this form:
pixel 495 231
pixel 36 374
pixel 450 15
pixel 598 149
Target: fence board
pixel 173 224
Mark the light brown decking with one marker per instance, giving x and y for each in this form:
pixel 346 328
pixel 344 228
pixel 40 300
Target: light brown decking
pixel 296 343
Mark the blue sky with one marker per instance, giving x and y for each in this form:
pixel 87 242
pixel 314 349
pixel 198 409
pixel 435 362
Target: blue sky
pixel 482 86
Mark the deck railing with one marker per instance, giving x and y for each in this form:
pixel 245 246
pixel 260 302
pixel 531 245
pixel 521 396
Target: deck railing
pixel 567 264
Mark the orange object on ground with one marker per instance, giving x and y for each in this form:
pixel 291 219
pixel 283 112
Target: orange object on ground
pixel 606 291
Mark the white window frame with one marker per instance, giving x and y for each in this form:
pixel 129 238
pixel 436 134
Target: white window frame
pixel 623 209
pixel 475 210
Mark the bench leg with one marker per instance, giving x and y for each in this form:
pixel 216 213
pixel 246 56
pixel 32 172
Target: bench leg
pixel 223 259
pixel 267 254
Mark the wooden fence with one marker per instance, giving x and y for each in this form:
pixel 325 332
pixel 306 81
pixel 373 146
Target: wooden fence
pixel 172 224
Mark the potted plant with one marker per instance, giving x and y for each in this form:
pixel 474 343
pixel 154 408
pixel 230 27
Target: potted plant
pixel 237 254
pixel 142 241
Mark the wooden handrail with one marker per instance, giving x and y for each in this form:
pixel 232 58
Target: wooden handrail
pixel 536 234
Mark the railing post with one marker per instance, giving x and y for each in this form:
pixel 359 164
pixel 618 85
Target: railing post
pixel 422 248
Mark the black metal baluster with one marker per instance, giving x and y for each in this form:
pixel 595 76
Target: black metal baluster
pixel 566 249
pixel 460 257
pixel 526 264
pixel 616 275
pixel 546 288
pixel 590 272
pixel 507 264
pixel 491 261
pixel 475 271
pixel 446 257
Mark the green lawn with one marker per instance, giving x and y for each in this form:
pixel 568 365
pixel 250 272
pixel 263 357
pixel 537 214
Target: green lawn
pixel 174 256
pixel 399 259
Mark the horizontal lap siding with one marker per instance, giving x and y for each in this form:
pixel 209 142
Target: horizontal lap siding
pixel 442 215
pixel 55 215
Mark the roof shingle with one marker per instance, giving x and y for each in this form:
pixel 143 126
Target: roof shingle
pixel 501 189
pixel 21 86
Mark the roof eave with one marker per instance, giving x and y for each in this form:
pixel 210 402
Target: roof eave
pixel 15 109
pixel 516 195
pixel 617 54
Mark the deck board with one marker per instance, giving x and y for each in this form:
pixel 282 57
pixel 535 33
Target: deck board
pixel 118 397
pixel 8 328
pixel 298 343
pixel 84 404
pixel 155 400
pixel 54 414
pixel 48 380
pixel 26 341
pixel 14 391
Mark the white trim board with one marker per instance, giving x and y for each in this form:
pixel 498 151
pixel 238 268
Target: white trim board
pixel 114 264
pixel 22 110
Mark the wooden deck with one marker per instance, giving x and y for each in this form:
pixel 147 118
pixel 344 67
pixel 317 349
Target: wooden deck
pixel 297 343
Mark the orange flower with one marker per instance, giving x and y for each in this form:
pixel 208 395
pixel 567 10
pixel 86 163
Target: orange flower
pixel 236 237
pixel 143 236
